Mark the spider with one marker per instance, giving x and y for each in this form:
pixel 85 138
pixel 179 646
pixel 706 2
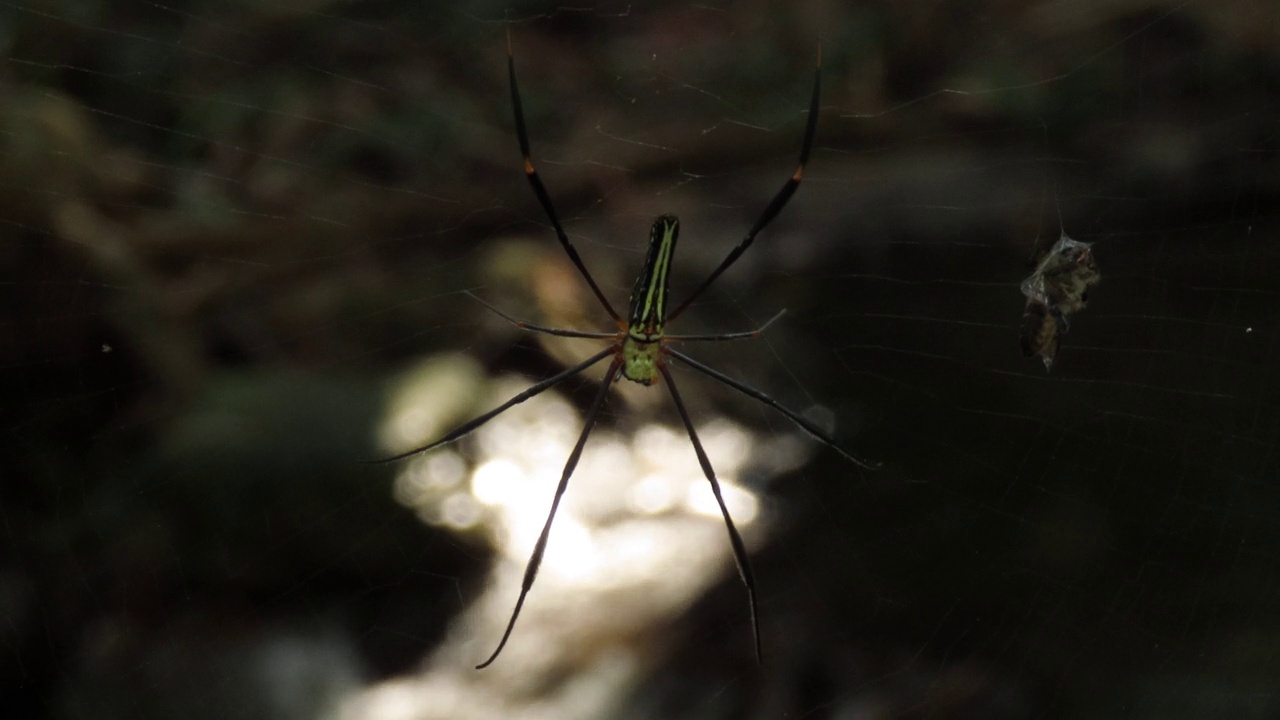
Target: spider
pixel 640 350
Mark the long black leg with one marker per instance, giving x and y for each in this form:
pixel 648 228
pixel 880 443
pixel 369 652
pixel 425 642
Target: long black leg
pixel 467 427
pixel 749 334
pixel 535 560
pixel 558 332
pixel 541 191
pixel 756 394
pixel 777 203
pixel 739 548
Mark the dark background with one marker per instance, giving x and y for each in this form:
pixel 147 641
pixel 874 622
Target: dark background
pixel 227 226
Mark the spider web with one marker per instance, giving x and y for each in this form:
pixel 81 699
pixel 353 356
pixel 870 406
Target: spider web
pixel 237 245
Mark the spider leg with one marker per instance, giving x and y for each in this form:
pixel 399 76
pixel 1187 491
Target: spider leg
pixel 777 203
pixel 739 548
pixel 541 191
pixel 535 560
pixel 751 392
pixel 540 328
pixel 749 334
pixel 467 427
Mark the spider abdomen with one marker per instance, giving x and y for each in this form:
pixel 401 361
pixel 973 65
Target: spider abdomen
pixel 649 296
pixel 641 349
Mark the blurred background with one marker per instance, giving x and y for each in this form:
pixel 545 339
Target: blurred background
pixel 236 241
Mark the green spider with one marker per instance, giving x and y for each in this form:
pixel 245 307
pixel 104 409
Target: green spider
pixel 640 350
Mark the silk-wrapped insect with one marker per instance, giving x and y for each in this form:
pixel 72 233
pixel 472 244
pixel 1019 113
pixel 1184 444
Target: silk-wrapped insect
pixel 1057 289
